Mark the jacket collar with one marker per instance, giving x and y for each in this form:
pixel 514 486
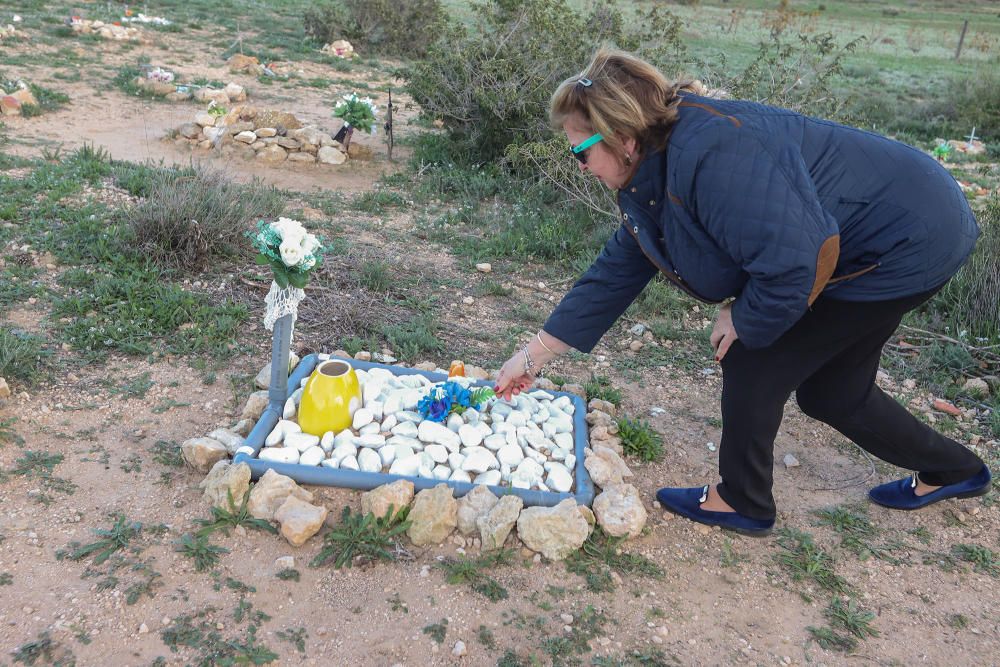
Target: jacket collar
pixel 648 184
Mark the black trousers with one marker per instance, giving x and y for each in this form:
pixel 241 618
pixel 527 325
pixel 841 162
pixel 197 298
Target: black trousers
pixel 829 358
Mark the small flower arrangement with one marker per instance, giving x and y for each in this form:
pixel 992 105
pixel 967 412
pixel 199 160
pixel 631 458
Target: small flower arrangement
pixel 216 110
pixel 160 74
pixel 289 249
pixel 451 398
pixel 356 112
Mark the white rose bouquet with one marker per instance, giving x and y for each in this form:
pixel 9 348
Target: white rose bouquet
pixel 289 249
pixel 357 112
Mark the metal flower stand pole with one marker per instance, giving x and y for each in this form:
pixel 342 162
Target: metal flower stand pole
pixel 281 342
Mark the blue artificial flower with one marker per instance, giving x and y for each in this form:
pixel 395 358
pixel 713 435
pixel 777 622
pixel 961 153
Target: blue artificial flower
pixel 438 410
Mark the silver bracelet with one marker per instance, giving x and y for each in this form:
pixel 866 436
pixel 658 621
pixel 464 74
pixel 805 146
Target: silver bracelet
pixel 528 363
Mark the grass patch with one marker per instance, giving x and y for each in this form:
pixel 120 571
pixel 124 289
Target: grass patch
pixel 199 632
pixel 600 387
pixel 43 651
pixel 473 571
pixel 362 537
pixel 852 618
pixel 7 433
pixel 600 554
pixel 437 631
pixel 167 453
pixel 639 439
pixel 112 540
pixel 374 276
pixel 414 338
pixel 294 636
pixel 40 466
pixel 197 548
pixel 983 559
pixel 804 560
pixel 22 357
pixel 225 519
pixel 127 306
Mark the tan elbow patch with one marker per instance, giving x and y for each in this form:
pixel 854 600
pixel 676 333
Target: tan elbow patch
pixel 826 263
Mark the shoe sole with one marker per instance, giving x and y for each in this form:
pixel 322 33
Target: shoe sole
pixel 745 532
pixel 968 494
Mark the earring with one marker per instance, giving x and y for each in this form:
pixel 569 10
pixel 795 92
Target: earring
pixel 628 160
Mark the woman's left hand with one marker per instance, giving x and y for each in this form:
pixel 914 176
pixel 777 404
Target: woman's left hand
pixel 723 333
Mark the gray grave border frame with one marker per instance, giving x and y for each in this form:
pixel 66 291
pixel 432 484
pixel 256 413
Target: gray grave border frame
pixel 355 479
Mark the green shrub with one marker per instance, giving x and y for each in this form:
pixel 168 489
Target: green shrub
pixel 191 217
pixel 639 439
pixel 490 83
pixel 388 27
pixel 971 300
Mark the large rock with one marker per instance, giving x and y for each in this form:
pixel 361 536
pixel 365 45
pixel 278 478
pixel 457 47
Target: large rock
pixel 241 63
pixel 224 479
pixel 9 106
pixel 619 510
pixel 256 403
pixel 272 154
pixel 331 155
pixel 203 453
pixel 308 135
pixel 555 532
pixel 4 389
pixel 605 466
pixel 399 494
pixel 263 380
pixel 496 524
pixel 471 506
pixel 271 491
pixel 24 96
pixel 434 516
pixel 235 92
pixel 299 520
pixel 231 440
pixel 189 130
pixel 276 119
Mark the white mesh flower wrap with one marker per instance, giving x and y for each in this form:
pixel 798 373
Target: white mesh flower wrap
pixel 281 302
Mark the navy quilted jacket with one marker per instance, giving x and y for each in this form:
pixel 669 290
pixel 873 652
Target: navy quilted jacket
pixel 773 208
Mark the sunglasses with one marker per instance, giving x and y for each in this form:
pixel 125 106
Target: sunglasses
pixel 579 151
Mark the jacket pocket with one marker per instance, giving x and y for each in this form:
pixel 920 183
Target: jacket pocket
pixel 852 275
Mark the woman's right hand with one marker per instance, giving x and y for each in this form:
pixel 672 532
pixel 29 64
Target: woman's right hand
pixel 513 379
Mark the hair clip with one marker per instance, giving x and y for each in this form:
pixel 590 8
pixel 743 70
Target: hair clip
pixel 585 82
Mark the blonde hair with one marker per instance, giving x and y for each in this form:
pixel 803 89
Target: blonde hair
pixel 627 97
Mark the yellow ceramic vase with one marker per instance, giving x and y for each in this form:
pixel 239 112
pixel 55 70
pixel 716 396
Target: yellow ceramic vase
pixel 330 397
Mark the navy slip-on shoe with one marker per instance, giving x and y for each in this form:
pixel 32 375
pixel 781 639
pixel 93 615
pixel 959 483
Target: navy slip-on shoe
pixel 687 503
pixel 899 495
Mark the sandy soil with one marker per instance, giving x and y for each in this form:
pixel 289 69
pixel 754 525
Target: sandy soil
pixel 722 600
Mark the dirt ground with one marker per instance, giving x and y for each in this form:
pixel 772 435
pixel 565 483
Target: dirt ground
pixel 722 599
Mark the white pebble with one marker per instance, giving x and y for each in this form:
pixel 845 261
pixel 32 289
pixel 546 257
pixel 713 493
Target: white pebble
pixel 362 417
pixel 312 456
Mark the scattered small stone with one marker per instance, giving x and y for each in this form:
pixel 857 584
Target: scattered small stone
pixel 143 629
pixel 944 406
pixel 484 267
pixel 711 446
pixel 790 461
pixel 468 301
pixel 459 649
pixel 566 618
pixel 635 345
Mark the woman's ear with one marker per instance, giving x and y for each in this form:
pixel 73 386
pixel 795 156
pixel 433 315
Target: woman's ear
pixel 631 145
